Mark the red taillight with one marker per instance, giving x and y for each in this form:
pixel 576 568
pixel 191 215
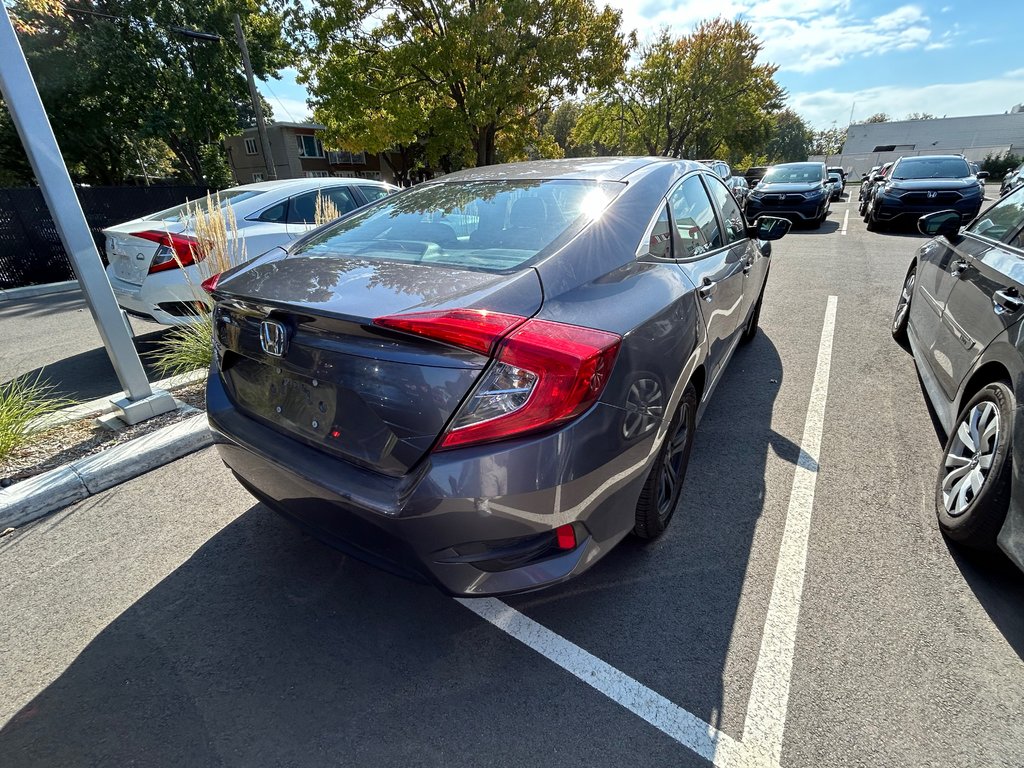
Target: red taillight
pixel 210 284
pixel 186 248
pixel 475 329
pixel 544 374
pixel 565 536
pixel 569 367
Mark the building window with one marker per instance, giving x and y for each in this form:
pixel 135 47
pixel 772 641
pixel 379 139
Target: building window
pixel 346 158
pixel 369 175
pixel 344 174
pixel 250 146
pixel 309 146
pixel 257 177
pixel 317 174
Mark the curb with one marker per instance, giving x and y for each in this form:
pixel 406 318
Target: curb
pixel 40 495
pixel 33 291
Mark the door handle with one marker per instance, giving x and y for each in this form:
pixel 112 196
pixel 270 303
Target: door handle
pixel 1006 301
pixel 707 288
pixel 959 267
pixel 747 267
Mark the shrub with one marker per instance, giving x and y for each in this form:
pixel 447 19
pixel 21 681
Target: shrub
pixel 185 348
pixel 998 165
pixel 23 401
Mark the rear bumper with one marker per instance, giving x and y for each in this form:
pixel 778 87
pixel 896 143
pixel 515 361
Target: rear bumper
pixel 443 522
pixel 164 288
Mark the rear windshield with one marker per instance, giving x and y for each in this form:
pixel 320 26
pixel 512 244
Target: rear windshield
pixel 487 225
pixel 932 168
pixel 793 174
pixel 179 212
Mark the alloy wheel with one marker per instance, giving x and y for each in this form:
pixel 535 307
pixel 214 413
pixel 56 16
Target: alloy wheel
pixel 903 305
pixel 970 456
pixel 673 464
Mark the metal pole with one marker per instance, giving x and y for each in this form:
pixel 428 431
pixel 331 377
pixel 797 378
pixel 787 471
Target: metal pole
pixel 19 92
pixel 257 108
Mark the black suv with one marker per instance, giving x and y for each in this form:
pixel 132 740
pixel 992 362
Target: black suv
pixel 798 191
pixel 919 185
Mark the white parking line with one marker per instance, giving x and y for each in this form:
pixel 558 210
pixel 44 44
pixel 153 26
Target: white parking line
pixel 765 723
pixel 769 695
pixel 846 221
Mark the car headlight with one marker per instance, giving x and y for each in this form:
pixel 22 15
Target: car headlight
pixel 972 191
pixel 756 195
pixel 814 194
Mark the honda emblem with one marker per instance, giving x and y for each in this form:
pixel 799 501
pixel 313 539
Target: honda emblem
pixel 932 193
pixel 274 337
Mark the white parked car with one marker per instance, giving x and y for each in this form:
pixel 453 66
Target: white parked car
pixel 147 279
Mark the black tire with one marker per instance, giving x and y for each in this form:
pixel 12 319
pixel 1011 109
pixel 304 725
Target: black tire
pixel 660 494
pixel 750 329
pixel 975 520
pixel 901 315
pixel 874 225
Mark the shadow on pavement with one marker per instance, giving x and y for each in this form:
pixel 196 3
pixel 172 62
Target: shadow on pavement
pixel 827 227
pixel 266 648
pixel 666 612
pixel 89 375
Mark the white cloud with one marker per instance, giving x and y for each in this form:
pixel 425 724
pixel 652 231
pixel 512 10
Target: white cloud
pixel 798 35
pixel 983 97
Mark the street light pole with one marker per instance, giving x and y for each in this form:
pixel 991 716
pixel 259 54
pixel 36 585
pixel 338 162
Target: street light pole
pixel 257 108
pixel 22 99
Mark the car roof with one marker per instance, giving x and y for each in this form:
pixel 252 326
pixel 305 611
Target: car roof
pixel 298 184
pixel 932 157
pixel 797 165
pixel 595 168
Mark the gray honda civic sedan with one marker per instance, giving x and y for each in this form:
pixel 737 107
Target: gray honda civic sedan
pixel 488 380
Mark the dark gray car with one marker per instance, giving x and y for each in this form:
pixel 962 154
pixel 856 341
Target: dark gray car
pixel 489 380
pixel 960 312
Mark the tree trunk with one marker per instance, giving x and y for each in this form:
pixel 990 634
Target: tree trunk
pixel 483 144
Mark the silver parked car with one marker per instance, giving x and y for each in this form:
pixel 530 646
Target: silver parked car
pixel 150 282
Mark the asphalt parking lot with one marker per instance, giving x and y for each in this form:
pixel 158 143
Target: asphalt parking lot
pixel 802 610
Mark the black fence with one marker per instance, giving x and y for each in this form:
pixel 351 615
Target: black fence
pixel 30 249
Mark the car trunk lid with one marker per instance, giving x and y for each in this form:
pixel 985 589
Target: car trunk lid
pixel 375 396
pixel 131 256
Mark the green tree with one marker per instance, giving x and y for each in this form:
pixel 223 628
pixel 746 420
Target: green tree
pixel 878 117
pixel 920 116
pixel 699 95
pixel 829 141
pixel 110 83
pixel 460 78
pixel 790 140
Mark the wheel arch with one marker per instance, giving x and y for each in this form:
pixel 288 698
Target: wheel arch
pixel 986 374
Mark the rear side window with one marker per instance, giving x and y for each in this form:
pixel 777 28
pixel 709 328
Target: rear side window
pixel 1003 220
pixel 732 217
pixel 372 192
pixel 276 214
pixel 660 244
pixel 303 207
pixel 694 219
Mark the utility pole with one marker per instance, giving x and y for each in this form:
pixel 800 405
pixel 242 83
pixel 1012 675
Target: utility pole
pixel 22 99
pixel 257 108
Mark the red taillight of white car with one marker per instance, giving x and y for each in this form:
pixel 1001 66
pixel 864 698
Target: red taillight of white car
pixel 544 373
pixel 186 248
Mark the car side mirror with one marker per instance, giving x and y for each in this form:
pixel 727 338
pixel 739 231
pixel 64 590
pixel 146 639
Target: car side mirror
pixel 982 174
pixel 769 228
pixel 940 224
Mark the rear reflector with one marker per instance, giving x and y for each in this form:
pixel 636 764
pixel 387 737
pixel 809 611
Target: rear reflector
pixel 565 537
pixel 185 248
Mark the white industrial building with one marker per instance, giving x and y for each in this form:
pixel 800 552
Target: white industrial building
pixel 871 144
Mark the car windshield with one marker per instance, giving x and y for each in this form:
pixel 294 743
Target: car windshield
pixel 488 225
pixel 932 168
pixel 793 174
pixel 180 212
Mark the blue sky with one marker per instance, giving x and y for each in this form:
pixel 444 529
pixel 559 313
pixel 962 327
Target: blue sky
pixel 949 57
